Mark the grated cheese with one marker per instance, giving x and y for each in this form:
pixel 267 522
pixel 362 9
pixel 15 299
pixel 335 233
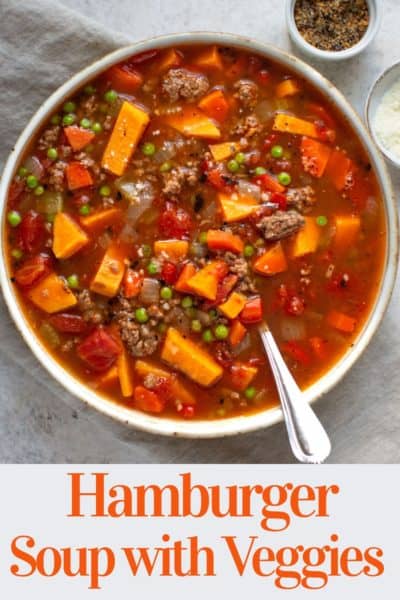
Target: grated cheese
pixel 387 120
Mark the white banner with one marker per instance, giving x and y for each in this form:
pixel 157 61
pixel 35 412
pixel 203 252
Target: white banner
pixel 197 530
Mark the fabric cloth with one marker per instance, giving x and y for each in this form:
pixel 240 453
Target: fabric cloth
pixel 41 45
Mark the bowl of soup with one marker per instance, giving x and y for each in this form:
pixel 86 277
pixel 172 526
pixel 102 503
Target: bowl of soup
pixel 169 197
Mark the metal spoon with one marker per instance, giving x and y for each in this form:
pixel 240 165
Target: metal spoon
pixel 307 437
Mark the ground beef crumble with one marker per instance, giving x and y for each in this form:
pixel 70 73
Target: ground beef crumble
pixel 301 199
pixel 140 339
pixel 247 92
pixel 280 225
pixel 247 127
pixel 92 312
pixel 49 138
pixel 181 83
pixel 177 178
pixel 56 175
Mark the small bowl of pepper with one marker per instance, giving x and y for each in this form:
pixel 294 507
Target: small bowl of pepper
pixel 333 29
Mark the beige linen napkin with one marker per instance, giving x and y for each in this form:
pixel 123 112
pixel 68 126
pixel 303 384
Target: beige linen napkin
pixel 41 45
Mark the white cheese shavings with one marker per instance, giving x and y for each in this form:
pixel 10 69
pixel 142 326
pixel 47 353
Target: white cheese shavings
pixel 387 120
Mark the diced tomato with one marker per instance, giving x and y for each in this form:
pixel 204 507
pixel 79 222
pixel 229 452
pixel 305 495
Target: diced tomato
pixel 99 350
pixel 175 222
pixel 225 287
pixel 240 375
pixel 279 199
pixel 223 354
pixel 67 323
pixel 32 231
pixel 169 273
pixel 325 134
pixel 33 270
pixel 268 183
pixel 294 306
pixel 15 192
pixel 124 78
pixel 263 76
pixel 296 351
pixel 186 411
pixel 219 180
pixel 132 283
pixel 252 312
pixel 148 400
pixel 79 199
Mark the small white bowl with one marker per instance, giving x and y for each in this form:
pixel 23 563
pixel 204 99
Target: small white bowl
pixel 384 82
pixel 375 16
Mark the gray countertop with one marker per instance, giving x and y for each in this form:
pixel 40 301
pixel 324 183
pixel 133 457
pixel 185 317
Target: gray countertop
pixel 362 414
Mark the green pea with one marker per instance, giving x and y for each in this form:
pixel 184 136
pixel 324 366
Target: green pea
pixel 141 315
pixel 89 90
pixel 240 158
pixel 248 250
pixel 276 151
pixel 14 218
pixel 208 336
pixel 22 172
pixel 32 182
pixel 17 253
pixel 196 326
pixel 165 167
pixel 39 190
pixel 191 312
pixel 250 392
pixel 187 302
pixel 69 119
pixel 105 191
pixel 284 178
pixel 221 332
pixel 146 250
pixel 73 282
pixel 148 149
pixel 97 127
pixel 233 166
pixel 110 96
pixel 322 220
pixel 52 153
pixel 166 293
pixel 203 237
pixel 152 268
pixel 260 171
pixel 55 120
pixel 69 107
pixel 84 210
pixel 85 123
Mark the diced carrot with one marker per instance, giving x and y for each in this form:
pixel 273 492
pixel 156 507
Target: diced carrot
pixel 132 284
pixel 290 124
pixel 318 346
pixel 147 400
pixel 68 237
pixel 102 219
pixel 78 137
pixel 269 183
pixel 233 306
pixel 271 262
pixel 205 282
pixel 194 123
pixel 187 273
pixel 347 228
pixel 110 273
pixel 175 250
pixel 252 312
pixel 215 105
pixel 170 58
pixel 125 374
pixel 183 354
pixel 341 321
pixel 237 208
pixel 236 333
pixel 339 169
pixel 242 375
pixel 110 377
pixel 52 294
pixel 125 136
pixel 78 176
pixel 307 239
pixel 224 150
pixel 223 240
pixel 123 79
pixel 314 156
pixel 209 59
pixel 288 87
pixel 178 389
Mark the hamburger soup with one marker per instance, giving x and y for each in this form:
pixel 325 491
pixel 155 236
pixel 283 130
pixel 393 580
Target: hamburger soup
pixel 171 205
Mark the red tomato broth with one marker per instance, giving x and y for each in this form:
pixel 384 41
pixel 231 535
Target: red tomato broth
pixel 345 280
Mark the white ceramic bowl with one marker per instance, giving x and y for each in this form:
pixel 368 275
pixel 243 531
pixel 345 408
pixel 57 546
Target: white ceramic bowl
pixel 233 425
pixel 375 16
pixel 384 82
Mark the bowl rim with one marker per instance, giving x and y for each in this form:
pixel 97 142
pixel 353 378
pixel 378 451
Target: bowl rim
pixel 368 116
pixel 232 425
pixel 375 11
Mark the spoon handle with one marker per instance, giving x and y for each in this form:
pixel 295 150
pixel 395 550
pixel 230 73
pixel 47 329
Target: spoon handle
pixel 307 437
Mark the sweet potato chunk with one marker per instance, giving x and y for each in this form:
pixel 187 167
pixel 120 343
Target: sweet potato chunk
pixel 52 294
pixel 110 273
pixel 68 237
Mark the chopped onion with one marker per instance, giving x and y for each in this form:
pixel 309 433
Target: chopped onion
pixel 244 345
pixel 34 166
pixel 209 211
pixel 104 240
pixel 265 110
pixel 150 215
pixel 293 328
pixel 249 189
pixel 49 203
pixel 198 250
pixel 128 234
pixel 150 292
pixel 179 318
pixel 50 335
pixel 166 152
pixel 203 317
